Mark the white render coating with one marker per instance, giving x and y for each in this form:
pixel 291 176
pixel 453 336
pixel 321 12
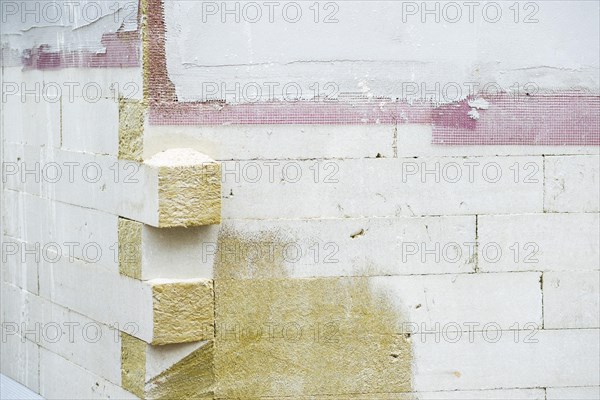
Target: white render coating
pixel 378 48
pixel 63 25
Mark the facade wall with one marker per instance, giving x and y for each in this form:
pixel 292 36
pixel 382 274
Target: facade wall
pixel 343 261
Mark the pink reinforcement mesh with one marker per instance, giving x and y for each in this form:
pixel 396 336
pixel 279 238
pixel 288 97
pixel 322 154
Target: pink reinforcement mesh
pixel 122 50
pixel 301 112
pixel 566 119
pixel 557 119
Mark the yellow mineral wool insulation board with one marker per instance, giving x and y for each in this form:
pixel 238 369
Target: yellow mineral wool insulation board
pixel 178 187
pixel 175 371
pixel 132 115
pixel 159 311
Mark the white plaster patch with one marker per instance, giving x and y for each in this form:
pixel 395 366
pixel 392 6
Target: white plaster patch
pixel 479 104
pixel 473 114
pixel 178 158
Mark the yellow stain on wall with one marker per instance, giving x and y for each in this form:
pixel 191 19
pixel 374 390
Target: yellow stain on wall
pixel 291 337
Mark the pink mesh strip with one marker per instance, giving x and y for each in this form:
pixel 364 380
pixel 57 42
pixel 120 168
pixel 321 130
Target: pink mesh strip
pixel 122 50
pixel 565 119
pixel 562 119
pixel 303 112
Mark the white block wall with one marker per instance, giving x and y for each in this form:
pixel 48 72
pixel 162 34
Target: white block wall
pixel 427 239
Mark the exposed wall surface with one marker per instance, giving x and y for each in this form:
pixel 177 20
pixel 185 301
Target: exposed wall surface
pixel 377 48
pixel 158 245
